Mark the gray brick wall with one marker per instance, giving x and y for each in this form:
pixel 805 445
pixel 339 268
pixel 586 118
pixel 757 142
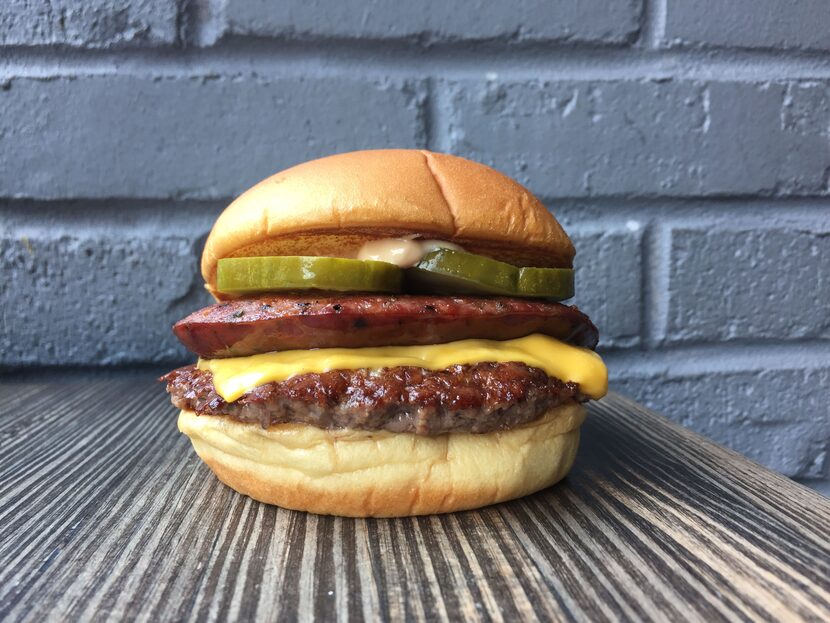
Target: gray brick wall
pixel 773 24
pixel 573 21
pixel 685 146
pixel 88 24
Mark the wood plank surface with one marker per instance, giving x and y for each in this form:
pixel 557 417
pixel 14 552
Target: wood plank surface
pixel 106 513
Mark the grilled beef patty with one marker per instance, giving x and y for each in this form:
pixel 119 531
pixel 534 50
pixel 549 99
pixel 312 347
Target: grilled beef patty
pixel 478 398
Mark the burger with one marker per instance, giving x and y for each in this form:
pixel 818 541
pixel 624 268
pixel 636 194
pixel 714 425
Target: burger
pixel 387 340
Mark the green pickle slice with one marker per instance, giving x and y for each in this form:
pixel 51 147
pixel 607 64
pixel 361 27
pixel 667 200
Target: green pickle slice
pixel 554 283
pixel 446 271
pixel 244 275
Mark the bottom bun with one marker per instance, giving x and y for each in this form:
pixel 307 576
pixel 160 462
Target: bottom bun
pixel 359 473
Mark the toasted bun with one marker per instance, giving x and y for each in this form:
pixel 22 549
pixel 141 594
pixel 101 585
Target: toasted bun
pixel 383 474
pixel 331 206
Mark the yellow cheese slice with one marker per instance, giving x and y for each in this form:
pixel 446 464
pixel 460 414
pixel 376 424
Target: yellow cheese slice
pixel 233 377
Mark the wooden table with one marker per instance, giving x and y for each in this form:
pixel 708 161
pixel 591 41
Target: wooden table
pixel 105 512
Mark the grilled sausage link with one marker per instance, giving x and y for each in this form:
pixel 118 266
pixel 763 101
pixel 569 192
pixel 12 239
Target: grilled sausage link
pixel 301 321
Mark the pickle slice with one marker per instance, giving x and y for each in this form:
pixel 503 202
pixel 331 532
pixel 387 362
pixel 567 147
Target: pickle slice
pixel 446 271
pixel 552 283
pixel 247 275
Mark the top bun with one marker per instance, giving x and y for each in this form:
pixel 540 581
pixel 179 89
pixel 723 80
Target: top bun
pixel 332 206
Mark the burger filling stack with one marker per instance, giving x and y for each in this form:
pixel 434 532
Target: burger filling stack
pixel 388 340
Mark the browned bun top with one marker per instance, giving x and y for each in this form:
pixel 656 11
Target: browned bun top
pixel 331 206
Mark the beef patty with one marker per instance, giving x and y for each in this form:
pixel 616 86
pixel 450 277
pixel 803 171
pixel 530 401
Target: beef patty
pixel 477 398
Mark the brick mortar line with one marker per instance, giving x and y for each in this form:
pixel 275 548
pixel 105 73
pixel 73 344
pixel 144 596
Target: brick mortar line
pixel 604 202
pixel 655 258
pixel 588 215
pixel 673 202
pixel 442 62
pixel 58 226
pixel 429 113
pixel 723 357
pixel 654 255
pixel 727 219
pixel 438 126
pixel 653 25
pixel 712 357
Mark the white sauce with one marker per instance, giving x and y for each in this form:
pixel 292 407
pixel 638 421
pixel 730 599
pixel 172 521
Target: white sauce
pixel 403 252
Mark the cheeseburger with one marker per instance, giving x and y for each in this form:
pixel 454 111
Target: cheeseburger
pixel 387 340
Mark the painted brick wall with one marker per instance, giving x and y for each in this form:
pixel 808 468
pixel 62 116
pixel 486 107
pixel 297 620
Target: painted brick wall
pixel 684 145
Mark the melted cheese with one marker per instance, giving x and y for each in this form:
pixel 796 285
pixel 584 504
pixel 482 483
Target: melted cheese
pixel 235 376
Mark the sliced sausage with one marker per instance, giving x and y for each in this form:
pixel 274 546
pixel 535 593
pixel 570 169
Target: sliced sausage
pixel 299 321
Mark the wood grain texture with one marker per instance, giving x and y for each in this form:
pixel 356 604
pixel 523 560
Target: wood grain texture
pixel 105 512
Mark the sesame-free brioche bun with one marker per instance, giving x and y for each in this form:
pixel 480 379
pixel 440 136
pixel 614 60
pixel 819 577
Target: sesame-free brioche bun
pixel 383 474
pixel 331 206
